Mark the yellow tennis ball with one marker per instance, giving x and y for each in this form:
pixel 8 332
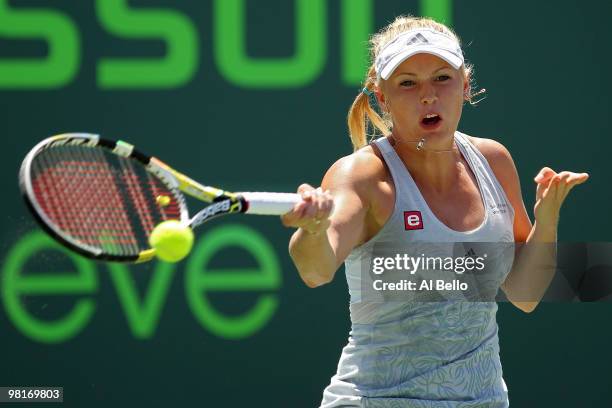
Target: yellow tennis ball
pixel 171 240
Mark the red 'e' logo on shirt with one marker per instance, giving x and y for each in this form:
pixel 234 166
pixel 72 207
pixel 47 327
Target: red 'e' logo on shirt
pixel 413 220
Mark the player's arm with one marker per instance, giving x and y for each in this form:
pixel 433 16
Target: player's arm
pixel 535 261
pixel 325 237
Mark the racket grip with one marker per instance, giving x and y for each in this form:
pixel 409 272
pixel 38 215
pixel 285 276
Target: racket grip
pixel 270 203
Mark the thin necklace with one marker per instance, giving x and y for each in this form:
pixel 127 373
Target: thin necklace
pixel 421 145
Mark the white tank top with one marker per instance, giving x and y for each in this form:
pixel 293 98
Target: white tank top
pixel 424 354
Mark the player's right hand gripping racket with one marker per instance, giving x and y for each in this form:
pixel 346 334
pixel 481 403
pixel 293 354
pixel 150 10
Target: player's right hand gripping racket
pixel 102 198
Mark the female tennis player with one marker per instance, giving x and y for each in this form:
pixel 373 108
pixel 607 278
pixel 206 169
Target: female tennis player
pixel 422 181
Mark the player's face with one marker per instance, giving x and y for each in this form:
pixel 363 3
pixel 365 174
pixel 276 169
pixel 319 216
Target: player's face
pixel 425 97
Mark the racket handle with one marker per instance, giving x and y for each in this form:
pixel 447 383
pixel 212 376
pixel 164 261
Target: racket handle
pixel 270 203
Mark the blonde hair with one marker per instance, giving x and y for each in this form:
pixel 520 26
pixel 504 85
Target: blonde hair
pixel 362 114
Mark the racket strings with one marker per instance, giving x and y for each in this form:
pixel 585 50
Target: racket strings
pixel 110 219
pixel 169 211
pixel 142 206
pixel 99 199
pixel 79 196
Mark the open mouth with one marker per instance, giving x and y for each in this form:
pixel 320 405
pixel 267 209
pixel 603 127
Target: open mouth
pixel 431 119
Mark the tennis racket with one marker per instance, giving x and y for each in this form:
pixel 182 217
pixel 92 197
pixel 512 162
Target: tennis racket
pixel 102 198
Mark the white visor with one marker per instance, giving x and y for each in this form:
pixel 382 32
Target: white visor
pixel 420 41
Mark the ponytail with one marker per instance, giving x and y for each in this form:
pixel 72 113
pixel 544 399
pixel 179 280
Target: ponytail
pixel 363 113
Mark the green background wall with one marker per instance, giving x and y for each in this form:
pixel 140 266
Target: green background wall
pixel 544 64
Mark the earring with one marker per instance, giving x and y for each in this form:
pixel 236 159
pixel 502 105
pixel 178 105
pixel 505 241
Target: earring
pixel 470 97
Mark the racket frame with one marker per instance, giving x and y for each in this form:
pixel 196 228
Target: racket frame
pixel 176 182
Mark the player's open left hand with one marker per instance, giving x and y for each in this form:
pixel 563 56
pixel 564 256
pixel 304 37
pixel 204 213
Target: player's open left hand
pixel 552 189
